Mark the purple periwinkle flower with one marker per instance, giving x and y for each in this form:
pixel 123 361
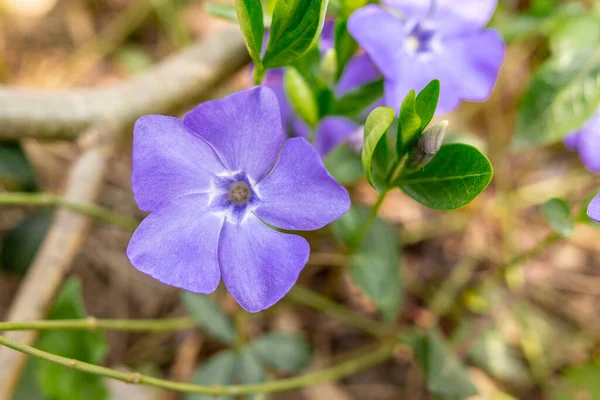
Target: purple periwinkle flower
pixel 594 209
pixel 586 142
pixel 212 182
pixel 437 39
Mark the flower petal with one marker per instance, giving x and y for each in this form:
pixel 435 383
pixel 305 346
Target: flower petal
pixel 594 209
pixel 455 16
pixel 572 140
pixel 177 245
pixel 169 162
pixel 299 194
pixel 244 129
pixel 589 148
pixel 469 65
pixel 359 71
pixel 332 132
pixel 258 264
pixel 381 35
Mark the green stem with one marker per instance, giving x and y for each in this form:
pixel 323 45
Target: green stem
pixel 258 73
pixel 51 200
pixel 140 325
pixel 370 219
pixel 369 359
pixel 308 298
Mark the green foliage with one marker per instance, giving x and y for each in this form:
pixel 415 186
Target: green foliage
pixel 285 353
pixel 426 102
pixel 355 101
pixel 16 172
pixel 223 11
pixel 374 152
pixel 445 376
pixel 409 124
pixel 56 381
pixel 209 316
pixel 375 264
pixel 296 26
pixel 579 382
pixel 250 17
pixel 558 215
pixel 21 243
pixel 456 175
pixel 345 46
pixel 344 165
pixel 220 369
pixel 301 97
pixel 565 92
pixel 250 370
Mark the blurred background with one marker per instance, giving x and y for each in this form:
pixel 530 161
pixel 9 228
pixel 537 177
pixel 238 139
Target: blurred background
pixel 528 335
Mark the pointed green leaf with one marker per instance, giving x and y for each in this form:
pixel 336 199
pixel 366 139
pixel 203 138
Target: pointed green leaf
pixel 344 165
pixel 345 46
pixel 354 102
pixel 456 176
pixel 250 370
pixel 209 316
pixel 20 244
pixel 223 11
pixel 56 381
pixel 565 92
pixel 301 97
pixel 250 16
pixel 296 26
pixel 445 375
pixel 284 352
pixel 375 265
pixel 16 172
pixel 375 268
pixel 220 369
pixel 409 124
pixel 376 127
pixel 558 215
pixel 426 102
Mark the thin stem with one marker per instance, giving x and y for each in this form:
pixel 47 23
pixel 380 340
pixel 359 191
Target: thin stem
pixel 52 200
pixel 258 73
pixel 370 219
pixel 140 325
pixel 308 298
pixel 369 359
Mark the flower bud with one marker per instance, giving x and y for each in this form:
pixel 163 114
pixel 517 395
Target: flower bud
pixel 428 145
pixel 329 66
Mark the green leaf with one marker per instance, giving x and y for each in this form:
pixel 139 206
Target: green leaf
pixel 220 369
pixel 250 17
pixel 347 228
pixel 21 243
pixel 301 97
pixel 209 316
pixel 580 382
pixel 456 175
pixel 376 127
pixel 28 388
pixel 409 124
pixel 56 381
pixel 296 26
pixel 250 370
pixel 344 165
pixel 349 6
pixel 355 101
pixel 223 11
pixel 16 172
pixel 558 215
pixel 426 102
pixel 445 375
pixel 565 92
pixel 375 268
pixel 345 46
pixel 284 352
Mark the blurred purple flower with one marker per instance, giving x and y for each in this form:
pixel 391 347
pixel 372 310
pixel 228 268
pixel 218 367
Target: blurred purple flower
pixel 211 184
pixel 586 141
pixel 437 39
pixel 594 209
